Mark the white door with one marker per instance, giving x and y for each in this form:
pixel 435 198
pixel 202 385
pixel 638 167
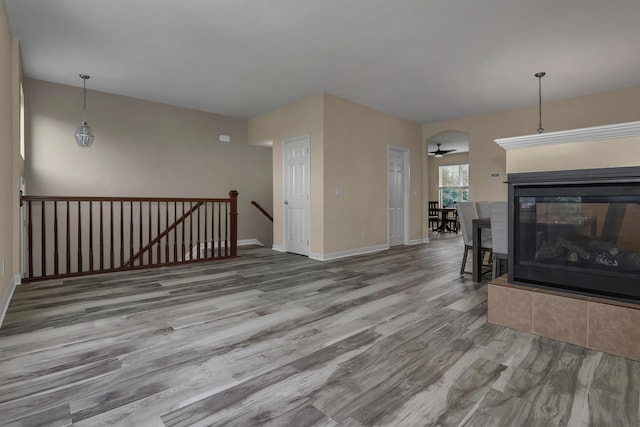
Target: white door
pixel 396 196
pixel 296 195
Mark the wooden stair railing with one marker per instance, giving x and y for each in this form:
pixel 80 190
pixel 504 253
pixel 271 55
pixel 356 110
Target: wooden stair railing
pixel 73 236
pixel 262 211
pixel 164 233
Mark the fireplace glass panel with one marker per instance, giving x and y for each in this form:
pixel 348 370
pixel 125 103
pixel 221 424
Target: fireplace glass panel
pixel 579 238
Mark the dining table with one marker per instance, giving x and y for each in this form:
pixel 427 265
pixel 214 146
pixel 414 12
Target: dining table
pixel 478 225
pixel 444 212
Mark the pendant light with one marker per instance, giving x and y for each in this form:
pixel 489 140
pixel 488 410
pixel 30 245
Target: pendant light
pixel 540 76
pixel 84 135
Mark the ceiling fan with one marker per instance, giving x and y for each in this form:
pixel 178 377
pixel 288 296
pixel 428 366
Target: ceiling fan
pixel 439 152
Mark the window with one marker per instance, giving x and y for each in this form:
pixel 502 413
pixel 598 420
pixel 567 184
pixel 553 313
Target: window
pixel 453 185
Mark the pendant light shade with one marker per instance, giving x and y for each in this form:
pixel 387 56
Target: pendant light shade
pixel 84 134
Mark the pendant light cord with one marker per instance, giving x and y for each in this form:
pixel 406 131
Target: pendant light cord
pixel 84 97
pixel 84 78
pixel 540 76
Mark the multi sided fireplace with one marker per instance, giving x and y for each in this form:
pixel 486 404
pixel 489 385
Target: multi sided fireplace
pixel 576 231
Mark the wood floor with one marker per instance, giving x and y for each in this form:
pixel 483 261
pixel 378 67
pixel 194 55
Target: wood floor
pixel 395 338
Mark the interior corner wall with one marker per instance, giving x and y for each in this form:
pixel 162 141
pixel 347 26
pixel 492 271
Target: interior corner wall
pixel 142 149
pixel 486 157
pixel 435 163
pixel 18 161
pixel 302 118
pixel 10 165
pixel 356 139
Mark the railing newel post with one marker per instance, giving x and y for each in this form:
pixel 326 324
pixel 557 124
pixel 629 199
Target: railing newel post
pixel 233 194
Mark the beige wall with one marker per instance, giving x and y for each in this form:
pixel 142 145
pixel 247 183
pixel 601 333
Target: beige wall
pixel 435 163
pixel 486 157
pixel 11 164
pixel 356 140
pixel 349 145
pixel 142 149
pixel 302 118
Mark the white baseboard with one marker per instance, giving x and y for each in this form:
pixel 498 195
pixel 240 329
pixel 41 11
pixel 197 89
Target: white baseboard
pixel 243 242
pixel 6 298
pixel 418 241
pixel 248 242
pixel 352 252
pixel 348 253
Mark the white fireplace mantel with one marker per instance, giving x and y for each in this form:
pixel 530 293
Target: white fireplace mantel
pixel 618 130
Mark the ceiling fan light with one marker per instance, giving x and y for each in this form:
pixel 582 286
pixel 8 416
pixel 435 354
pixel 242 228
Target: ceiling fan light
pixel 438 155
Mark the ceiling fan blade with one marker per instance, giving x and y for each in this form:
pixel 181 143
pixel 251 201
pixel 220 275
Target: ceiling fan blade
pixel 441 152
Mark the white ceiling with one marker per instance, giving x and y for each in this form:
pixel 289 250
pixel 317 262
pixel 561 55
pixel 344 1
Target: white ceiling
pixel 423 60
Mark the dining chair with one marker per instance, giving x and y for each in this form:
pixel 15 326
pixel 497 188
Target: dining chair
pixel 452 222
pixel 499 236
pixel 483 210
pixel 434 215
pixel 466 214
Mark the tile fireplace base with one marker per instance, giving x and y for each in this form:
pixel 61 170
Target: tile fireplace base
pixel 596 323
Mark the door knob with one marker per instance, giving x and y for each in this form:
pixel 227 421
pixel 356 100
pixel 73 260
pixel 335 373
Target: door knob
pixel 286 202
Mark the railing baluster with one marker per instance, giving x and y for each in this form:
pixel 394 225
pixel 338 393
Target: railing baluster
pixel 43 261
pixel 175 233
pixel 30 227
pixel 150 256
pixel 159 252
pixel 198 243
pixel 68 240
pixel 166 238
pixel 183 238
pixel 131 231
pixel 101 238
pixel 226 226
pixel 55 237
pixel 206 242
pixel 111 263
pixel 219 229
pixel 90 236
pixel 121 233
pixel 141 258
pixel 190 232
pixel 79 236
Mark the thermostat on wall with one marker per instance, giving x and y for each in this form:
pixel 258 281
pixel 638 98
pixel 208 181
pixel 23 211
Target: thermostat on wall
pixel 495 175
